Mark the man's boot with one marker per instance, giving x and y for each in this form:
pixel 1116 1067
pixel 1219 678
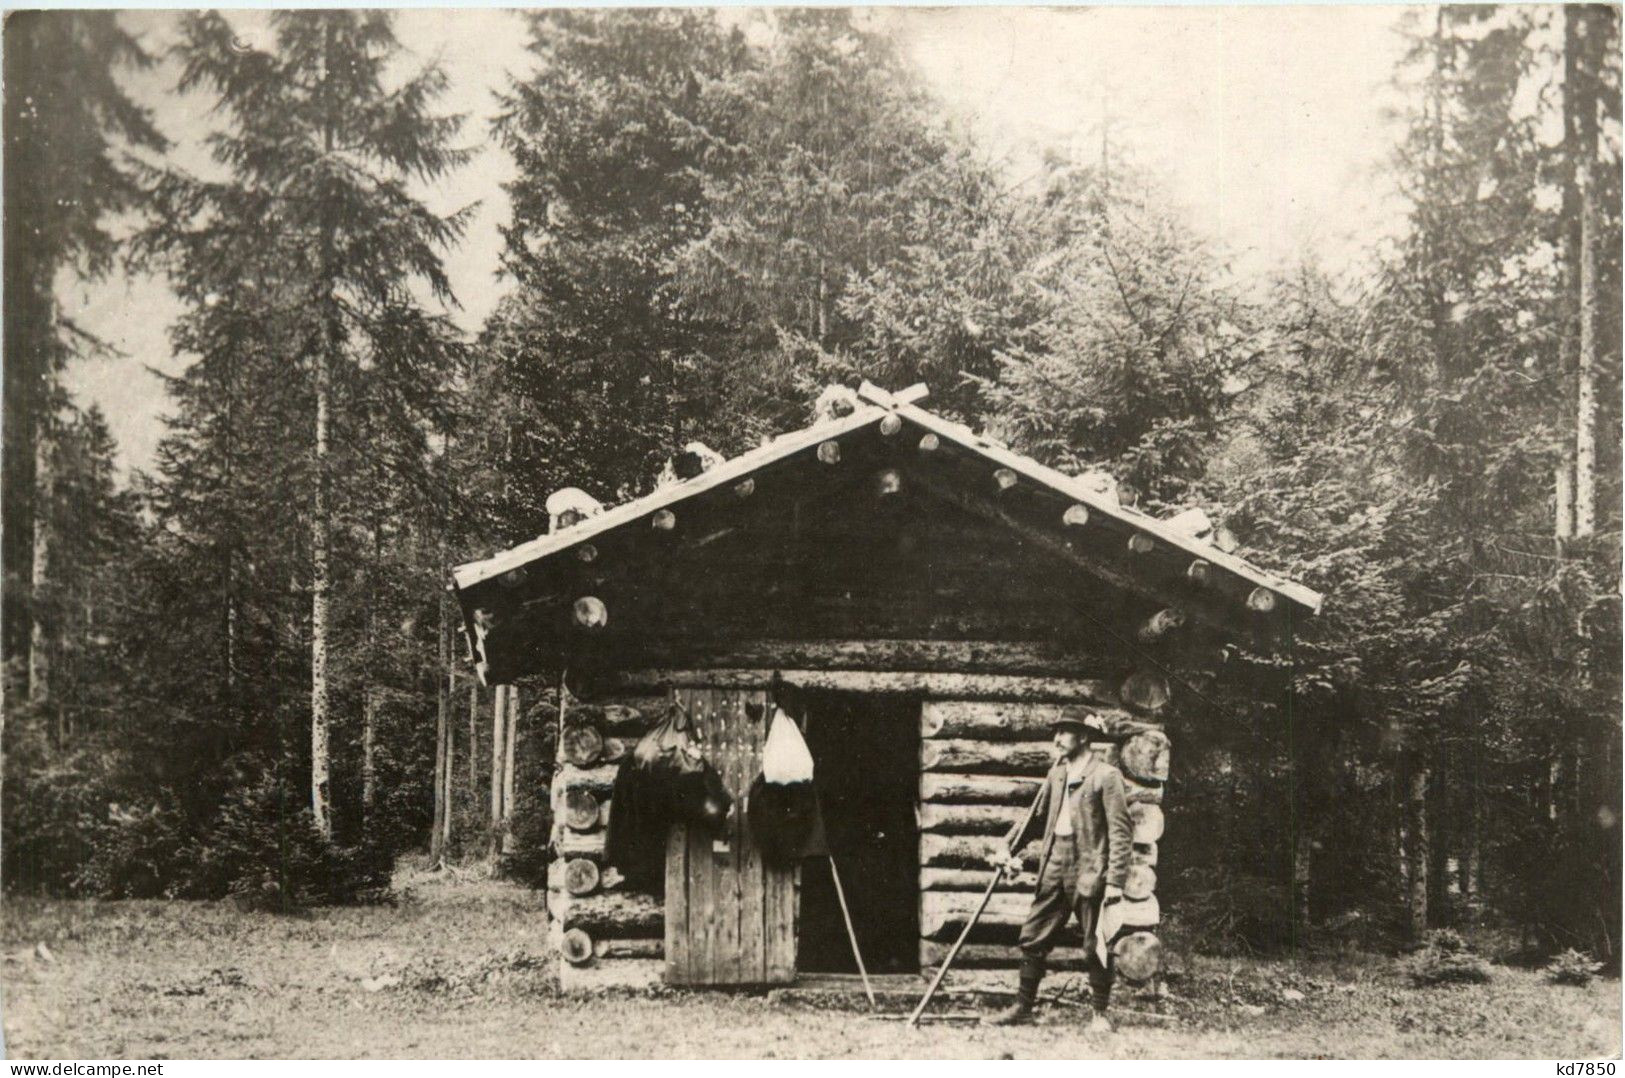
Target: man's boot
pixel 1100 994
pixel 1021 1011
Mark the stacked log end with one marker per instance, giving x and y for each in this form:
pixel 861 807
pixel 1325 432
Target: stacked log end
pixel 981 763
pixel 1143 759
pixel 606 936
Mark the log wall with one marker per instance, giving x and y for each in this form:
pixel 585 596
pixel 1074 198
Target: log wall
pixel 981 763
pixel 606 936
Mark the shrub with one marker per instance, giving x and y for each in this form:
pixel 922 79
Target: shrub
pixel 46 814
pixel 136 852
pixel 265 850
pixel 1572 967
pixel 1447 941
pixel 50 799
pixel 1445 958
pixel 1230 912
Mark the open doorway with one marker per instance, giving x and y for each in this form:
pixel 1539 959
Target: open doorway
pixel 866 751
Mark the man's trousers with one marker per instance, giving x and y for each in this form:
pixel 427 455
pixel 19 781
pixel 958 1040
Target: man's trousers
pixel 1057 902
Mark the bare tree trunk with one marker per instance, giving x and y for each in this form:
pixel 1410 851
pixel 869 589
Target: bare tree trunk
pixel 320 586
pixel 1468 869
pixel 499 730
pixel 510 746
pixel 1302 851
pixel 442 758
pixel 231 629
pixel 440 829
pixel 1585 434
pixel 448 786
pixel 445 739
pixel 369 692
pixel 474 738
pixel 1554 782
pixel 1402 855
pixel 1420 851
pixel 39 580
pixel 320 582
pixel 369 754
pixel 823 303
pixel 1570 217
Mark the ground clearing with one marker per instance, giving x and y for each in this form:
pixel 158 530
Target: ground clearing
pixel 461 969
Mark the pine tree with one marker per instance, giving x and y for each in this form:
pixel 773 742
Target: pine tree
pixel 317 242
pixel 66 122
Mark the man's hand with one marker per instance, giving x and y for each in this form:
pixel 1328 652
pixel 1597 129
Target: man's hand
pixel 1114 893
pixel 1006 862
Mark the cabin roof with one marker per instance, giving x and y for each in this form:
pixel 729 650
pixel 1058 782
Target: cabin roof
pixel 875 406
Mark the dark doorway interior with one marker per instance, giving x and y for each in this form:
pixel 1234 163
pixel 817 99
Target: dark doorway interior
pixel 866 756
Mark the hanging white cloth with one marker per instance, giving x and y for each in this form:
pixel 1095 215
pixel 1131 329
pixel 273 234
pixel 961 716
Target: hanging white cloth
pixel 785 758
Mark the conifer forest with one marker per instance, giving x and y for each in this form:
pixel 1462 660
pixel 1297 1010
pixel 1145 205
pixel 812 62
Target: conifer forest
pixel 233 670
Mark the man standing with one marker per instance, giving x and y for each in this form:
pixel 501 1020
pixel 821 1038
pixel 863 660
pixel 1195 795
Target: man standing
pixel 1083 810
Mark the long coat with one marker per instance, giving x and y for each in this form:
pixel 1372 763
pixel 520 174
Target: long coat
pixel 1100 825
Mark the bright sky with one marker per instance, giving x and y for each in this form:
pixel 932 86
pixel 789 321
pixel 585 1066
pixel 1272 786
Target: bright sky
pixel 1267 123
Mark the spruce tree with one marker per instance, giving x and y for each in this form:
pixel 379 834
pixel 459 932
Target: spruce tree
pixel 593 369
pixel 68 125
pixel 317 242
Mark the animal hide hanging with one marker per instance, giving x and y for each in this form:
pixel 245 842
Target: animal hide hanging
pixel 782 807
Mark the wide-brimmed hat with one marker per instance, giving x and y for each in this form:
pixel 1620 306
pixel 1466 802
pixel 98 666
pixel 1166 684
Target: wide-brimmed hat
pixel 1084 723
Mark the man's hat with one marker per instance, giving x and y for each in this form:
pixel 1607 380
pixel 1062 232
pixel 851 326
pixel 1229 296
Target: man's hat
pixel 1083 723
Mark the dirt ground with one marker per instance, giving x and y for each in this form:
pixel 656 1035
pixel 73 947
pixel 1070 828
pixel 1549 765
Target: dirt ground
pixel 460 968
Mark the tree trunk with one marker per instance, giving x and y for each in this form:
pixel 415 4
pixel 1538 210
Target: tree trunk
pixel 499 730
pixel 1302 877
pixel 229 573
pixel 474 739
pixel 823 304
pixel 1554 783
pixel 1469 854
pixel 1419 853
pixel 1441 835
pixel 437 818
pixel 451 760
pixel 1568 343
pixel 1584 96
pixel 320 582
pixel 369 690
pixel 510 745
pixel 39 635
pixel 369 754
pixel 439 830
pixel 319 589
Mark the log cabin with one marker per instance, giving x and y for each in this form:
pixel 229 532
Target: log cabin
pixel 925 603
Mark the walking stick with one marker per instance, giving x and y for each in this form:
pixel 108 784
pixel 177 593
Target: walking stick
pixel 851 933
pixel 953 952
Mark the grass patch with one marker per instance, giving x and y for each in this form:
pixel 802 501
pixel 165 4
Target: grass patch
pixel 460 967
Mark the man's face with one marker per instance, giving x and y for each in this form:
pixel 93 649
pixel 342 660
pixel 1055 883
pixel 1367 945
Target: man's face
pixel 1067 742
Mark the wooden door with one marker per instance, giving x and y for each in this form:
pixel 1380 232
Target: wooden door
pixel 730 919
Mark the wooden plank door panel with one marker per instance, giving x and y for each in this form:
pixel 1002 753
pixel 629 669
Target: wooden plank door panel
pixel 730 919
